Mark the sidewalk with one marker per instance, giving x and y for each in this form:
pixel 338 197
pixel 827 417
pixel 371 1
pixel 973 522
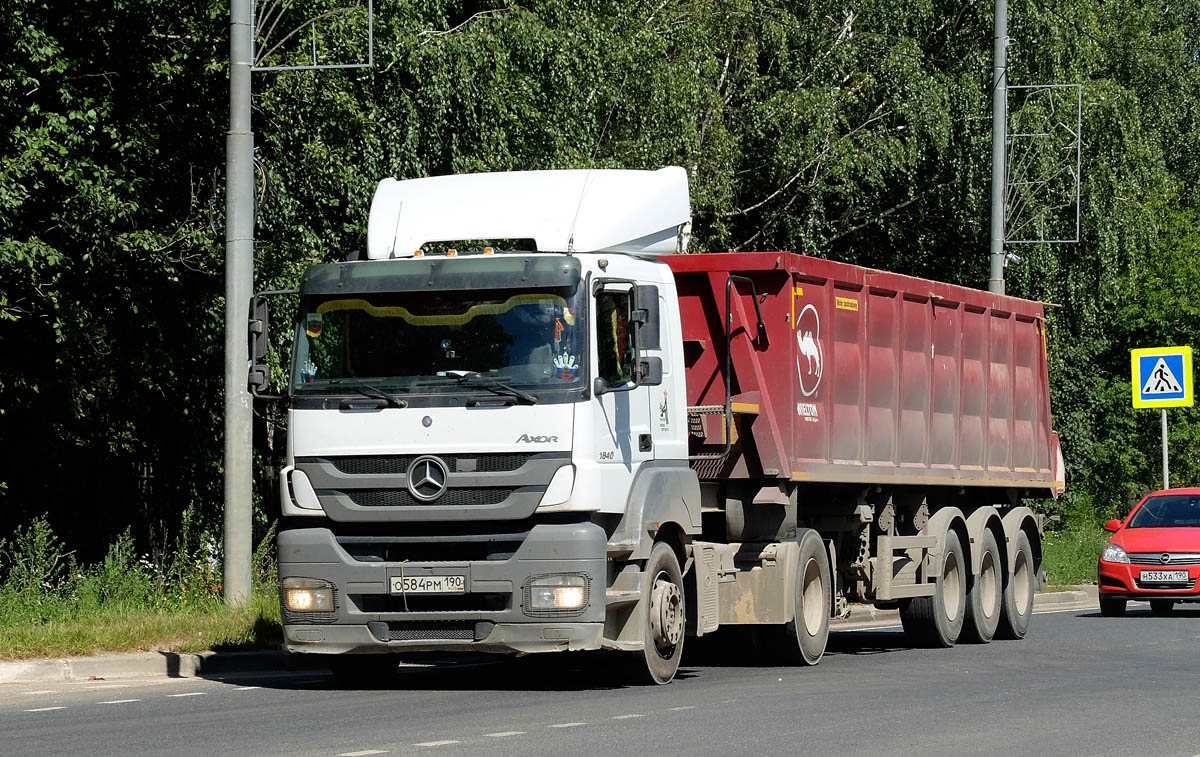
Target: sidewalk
pixel 174 665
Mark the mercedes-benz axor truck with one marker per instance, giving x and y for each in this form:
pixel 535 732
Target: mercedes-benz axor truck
pixel 525 420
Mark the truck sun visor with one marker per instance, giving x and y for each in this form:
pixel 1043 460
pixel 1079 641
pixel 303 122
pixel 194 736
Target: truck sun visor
pixel 443 274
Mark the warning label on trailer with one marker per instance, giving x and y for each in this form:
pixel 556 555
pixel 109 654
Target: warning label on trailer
pixel 845 303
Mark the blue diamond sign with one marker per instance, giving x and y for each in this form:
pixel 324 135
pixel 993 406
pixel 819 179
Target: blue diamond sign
pixel 1162 377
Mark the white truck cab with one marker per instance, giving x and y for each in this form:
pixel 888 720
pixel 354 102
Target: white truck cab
pixel 475 435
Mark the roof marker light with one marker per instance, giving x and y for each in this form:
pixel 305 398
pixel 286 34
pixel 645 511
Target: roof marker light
pixel 418 253
pixel 451 252
pixel 488 251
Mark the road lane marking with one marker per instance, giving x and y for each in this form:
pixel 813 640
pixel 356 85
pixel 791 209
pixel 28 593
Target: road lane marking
pixel 566 725
pixel 46 709
pixel 627 717
pixel 363 753
pixel 503 734
pixel 679 709
pixel 444 742
pixel 120 701
pixel 41 691
pixel 252 688
pixel 107 686
pixel 189 694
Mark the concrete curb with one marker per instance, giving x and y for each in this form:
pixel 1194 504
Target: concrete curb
pixel 177 665
pixel 146 664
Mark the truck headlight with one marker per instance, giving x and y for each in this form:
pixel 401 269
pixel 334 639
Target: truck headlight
pixel 307 595
pixel 1114 553
pixel 557 593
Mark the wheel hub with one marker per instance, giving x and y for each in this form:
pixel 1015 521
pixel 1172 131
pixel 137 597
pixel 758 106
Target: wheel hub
pixel 666 613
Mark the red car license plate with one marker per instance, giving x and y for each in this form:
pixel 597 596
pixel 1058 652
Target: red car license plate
pixel 1165 576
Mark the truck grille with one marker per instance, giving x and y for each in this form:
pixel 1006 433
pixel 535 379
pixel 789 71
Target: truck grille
pixel 391 603
pixel 453 630
pixel 402 497
pixel 378 465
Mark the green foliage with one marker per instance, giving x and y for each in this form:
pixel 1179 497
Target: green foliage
pixel 51 605
pixel 1069 557
pixel 859 132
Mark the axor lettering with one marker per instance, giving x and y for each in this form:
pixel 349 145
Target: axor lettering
pixel 527 439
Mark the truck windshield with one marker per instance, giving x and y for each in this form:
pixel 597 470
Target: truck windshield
pixel 431 341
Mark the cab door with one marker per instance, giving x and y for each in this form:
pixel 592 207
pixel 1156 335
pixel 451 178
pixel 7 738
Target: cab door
pixel 621 425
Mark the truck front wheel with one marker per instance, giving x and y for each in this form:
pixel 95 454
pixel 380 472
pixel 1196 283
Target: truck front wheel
pixel 663 615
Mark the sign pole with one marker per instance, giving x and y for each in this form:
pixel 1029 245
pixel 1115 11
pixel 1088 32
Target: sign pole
pixel 1166 470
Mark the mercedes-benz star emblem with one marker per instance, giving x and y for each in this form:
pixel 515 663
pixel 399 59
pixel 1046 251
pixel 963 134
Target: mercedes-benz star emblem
pixel 427 478
pixel 1164 558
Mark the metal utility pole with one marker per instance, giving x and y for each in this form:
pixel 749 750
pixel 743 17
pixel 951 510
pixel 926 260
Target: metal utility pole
pixel 239 277
pixel 999 143
pixel 1166 469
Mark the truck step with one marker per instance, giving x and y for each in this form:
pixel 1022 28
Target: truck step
pixel 614 597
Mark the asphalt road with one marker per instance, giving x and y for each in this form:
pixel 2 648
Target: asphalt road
pixel 1079 684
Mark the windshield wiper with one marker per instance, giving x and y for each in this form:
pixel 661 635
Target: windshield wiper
pixel 369 390
pixel 496 385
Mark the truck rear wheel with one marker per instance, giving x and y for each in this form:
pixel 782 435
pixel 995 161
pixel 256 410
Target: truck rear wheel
pixel 663 616
pixel 985 597
pixel 1018 592
pixel 937 621
pixel 807 634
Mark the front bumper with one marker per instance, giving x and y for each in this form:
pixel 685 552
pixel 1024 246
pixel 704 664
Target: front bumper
pixel 490 616
pixel 1123 581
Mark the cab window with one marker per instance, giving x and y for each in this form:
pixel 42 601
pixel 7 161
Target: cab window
pixel 614 337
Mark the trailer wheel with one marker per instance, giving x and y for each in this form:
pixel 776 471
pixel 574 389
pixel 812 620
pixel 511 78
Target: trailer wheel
pixel 937 621
pixel 1018 592
pixel 663 616
pixel 986 595
pixel 807 634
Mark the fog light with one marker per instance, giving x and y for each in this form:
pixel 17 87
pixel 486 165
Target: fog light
pixel 560 592
pixel 307 595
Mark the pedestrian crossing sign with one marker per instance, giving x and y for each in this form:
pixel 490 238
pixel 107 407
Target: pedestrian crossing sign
pixel 1162 377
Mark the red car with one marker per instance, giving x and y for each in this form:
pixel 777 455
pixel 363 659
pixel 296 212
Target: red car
pixel 1154 556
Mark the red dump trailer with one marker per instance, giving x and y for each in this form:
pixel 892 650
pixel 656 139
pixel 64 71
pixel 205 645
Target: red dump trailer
pixel 900 420
pixel 867 377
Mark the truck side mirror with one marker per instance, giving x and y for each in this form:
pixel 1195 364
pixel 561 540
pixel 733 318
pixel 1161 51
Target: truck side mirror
pixel 646 316
pixel 258 330
pixel 260 315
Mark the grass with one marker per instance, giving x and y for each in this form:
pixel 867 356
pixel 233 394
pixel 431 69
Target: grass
pixel 1069 556
pixel 136 628
pixel 51 606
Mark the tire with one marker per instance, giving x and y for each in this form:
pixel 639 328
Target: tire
pixel 937 621
pixel 1018 592
pixel 1162 606
pixel 1112 608
pixel 663 617
pixel 807 634
pixel 357 671
pixel 985 598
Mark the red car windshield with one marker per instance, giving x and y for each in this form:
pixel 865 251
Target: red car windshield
pixel 1167 511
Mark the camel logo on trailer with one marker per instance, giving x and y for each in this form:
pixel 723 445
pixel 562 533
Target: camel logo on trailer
pixel 810 360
